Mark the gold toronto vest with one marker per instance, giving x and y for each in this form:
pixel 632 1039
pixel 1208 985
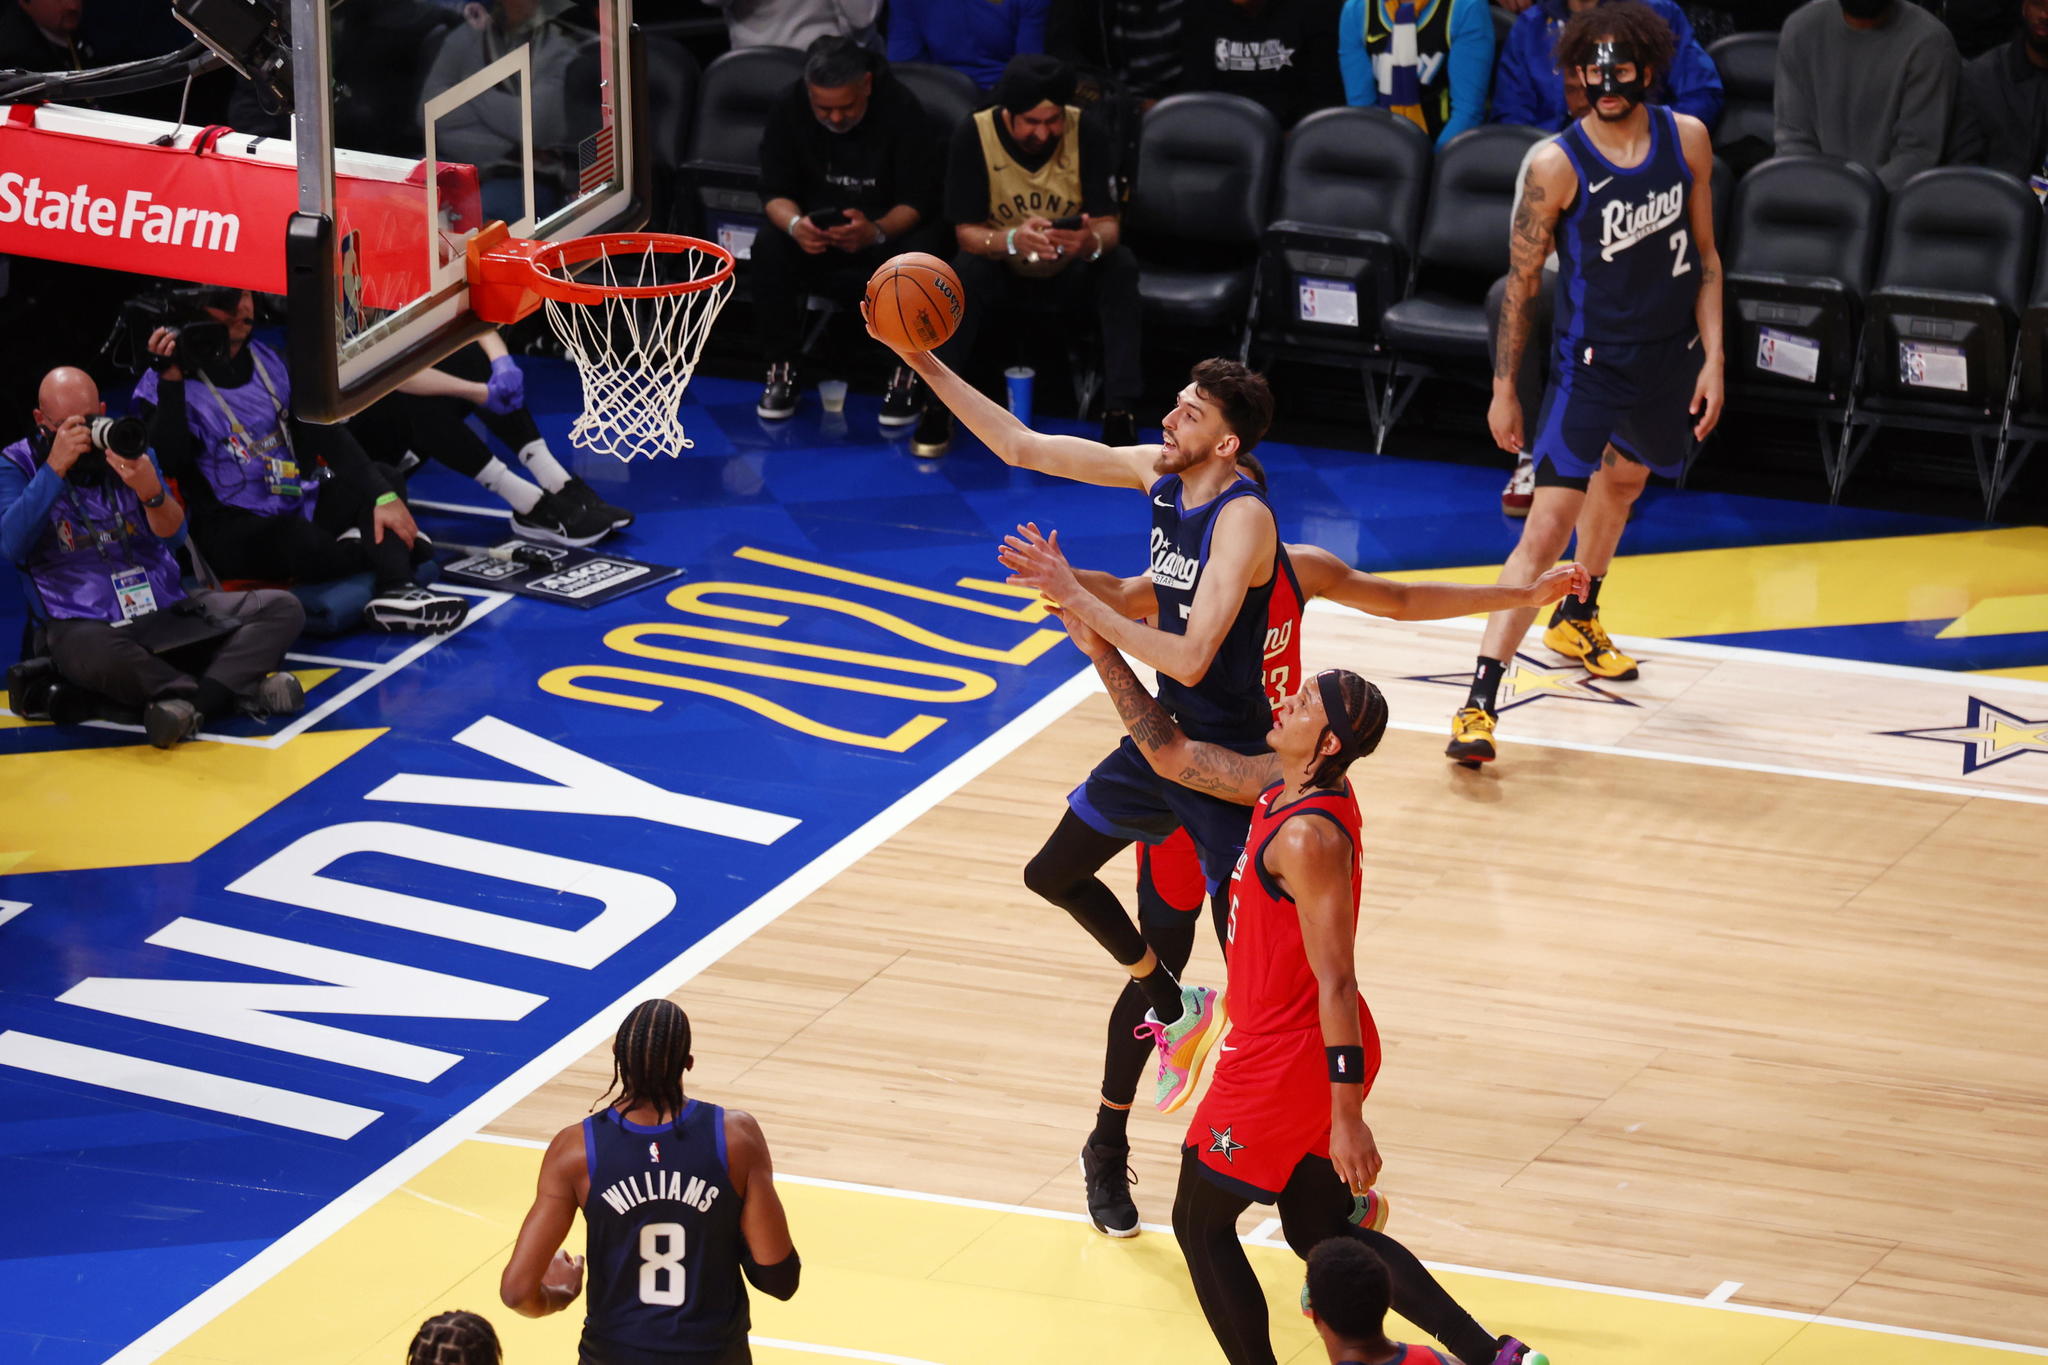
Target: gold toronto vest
pixel 1015 194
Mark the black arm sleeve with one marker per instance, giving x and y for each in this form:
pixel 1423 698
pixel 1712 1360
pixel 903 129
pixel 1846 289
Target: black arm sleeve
pixel 966 177
pixel 177 449
pixel 778 1280
pixel 344 455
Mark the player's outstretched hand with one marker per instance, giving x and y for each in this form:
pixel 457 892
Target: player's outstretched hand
pixel 1566 580
pixel 1355 1155
pixel 1035 561
pixel 1504 418
pixel 1707 395
pixel 1084 637
pixel 565 1276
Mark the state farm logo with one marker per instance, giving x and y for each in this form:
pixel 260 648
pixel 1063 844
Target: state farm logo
pixel 137 217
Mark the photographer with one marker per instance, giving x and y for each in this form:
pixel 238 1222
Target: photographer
pixel 248 472
pixel 84 516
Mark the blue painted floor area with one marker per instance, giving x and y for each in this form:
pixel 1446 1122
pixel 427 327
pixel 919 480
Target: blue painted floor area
pixel 806 695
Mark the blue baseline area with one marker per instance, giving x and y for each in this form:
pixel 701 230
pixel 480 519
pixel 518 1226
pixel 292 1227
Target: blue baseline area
pixel 122 1209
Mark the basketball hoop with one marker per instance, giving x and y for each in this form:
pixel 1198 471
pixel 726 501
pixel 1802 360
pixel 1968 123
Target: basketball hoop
pixel 635 330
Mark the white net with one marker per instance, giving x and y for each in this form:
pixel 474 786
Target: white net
pixel 636 354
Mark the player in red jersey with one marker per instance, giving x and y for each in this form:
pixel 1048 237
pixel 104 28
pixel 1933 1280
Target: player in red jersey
pixel 1171 885
pixel 1283 1121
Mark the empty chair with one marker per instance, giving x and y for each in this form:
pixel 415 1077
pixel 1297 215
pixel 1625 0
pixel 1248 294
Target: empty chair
pixel 1748 63
pixel 1205 173
pixel 2027 424
pixel 1957 268
pixel 1336 256
pixel 1800 257
pixel 739 91
pixel 948 96
pixel 1462 250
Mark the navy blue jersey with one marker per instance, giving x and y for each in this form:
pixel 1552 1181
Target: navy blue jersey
pixel 1627 267
pixel 1228 706
pixel 663 1257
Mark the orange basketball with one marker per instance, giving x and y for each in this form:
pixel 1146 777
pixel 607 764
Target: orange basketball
pixel 915 301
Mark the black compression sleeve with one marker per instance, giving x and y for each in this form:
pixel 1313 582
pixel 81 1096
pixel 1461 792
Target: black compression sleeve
pixel 778 1280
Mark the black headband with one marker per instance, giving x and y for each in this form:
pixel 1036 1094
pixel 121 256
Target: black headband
pixel 1333 711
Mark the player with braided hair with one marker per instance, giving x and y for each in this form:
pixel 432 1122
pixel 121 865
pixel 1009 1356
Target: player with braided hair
pixel 455 1338
pixel 678 1200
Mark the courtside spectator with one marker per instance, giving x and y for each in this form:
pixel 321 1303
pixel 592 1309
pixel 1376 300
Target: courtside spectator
pixel 1529 89
pixel 2002 104
pixel 1452 65
pixel 795 23
pixel 1871 81
pixel 1282 53
pixel 977 37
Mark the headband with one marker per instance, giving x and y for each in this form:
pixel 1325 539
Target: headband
pixel 1333 711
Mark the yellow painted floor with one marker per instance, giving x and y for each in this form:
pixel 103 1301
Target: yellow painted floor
pixel 891 1276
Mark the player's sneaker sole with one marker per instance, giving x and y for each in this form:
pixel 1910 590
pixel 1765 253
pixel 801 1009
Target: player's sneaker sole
pixel 416 611
pixel 1189 1047
pixel 1370 1210
pixel 1471 737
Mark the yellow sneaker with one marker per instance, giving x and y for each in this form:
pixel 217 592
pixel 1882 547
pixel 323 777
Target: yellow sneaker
pixel 1471 737
pixel 1587 642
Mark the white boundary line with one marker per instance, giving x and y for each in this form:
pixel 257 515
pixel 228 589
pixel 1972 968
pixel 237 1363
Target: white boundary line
pixel 1716 1299
pixel 212 1302
pixel 844 1352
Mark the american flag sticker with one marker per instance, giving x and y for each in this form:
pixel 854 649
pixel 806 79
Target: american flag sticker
pixel 594 159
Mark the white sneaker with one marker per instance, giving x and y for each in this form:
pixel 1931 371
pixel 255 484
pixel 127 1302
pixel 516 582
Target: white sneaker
pixel 1521 489
pixel 416 611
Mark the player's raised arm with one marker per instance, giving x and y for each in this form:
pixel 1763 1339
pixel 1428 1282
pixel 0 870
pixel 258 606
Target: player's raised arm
pixel 1324 575
pixel 541 1278
pixel 1546 192
pixel 1192 763
pixel 1131 598
pixel 770 1264
pixel 1070 457
pixel 1245 539
pixel 1312 859
pixel 1710 389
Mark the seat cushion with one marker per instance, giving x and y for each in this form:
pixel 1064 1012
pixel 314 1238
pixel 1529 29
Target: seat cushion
pixel 1437 324
pixel 1202 298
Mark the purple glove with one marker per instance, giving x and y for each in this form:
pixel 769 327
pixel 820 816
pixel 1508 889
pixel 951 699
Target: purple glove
pixel 507 386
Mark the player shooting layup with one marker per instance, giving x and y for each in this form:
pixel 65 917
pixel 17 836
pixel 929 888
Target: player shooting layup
pixel 1214 559
pixel 1623 195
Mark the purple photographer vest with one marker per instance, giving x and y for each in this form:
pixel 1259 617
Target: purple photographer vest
pixel 244 450
pixel 94 535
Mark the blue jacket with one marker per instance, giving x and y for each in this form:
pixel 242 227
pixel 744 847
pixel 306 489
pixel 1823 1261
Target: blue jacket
pixel 1468 64
pixel 1528 89
pixel 978 38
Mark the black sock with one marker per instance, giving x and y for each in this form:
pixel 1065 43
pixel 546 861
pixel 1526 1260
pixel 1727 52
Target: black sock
pixel 1112 1125
pixel 1485 683
pixel 1125 1054
pixel 1570 608
pixel 1162 992
pixel 213 699
pixel 1419 1298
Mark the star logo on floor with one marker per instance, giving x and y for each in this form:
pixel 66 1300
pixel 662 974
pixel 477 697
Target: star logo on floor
pixel 1529 680
pixel 1991 735
pixel 1225 1144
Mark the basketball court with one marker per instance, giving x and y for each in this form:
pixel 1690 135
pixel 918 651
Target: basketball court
pixel 1712 1010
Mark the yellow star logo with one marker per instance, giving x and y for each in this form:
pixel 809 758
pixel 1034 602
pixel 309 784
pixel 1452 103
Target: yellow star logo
pixel 1991 734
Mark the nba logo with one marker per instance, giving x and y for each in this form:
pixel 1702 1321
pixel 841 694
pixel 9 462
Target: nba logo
pixel 654 1152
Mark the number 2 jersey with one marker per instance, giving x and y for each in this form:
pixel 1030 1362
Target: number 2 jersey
pixel 663 1255
pixel 1627 267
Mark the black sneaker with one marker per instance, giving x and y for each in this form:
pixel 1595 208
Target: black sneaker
pixel 778 395
pixel 170 722
pixel 901 401
pixel 280 694
pixel 934 434
pixel 415 610
pixel 556 520
pixel 1119 429
pixel 583 497
pixel 1107 1174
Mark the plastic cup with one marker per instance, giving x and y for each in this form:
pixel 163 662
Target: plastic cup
pixel 832 393
pixel 1019 379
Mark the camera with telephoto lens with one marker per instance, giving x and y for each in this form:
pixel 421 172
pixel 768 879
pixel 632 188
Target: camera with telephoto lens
pixel 124 436
pixel 202 342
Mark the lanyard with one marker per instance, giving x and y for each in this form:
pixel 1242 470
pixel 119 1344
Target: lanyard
pixel 101 533
pixel 284 426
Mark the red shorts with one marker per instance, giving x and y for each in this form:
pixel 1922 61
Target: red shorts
pixel 1268 1106
pixel 1176 871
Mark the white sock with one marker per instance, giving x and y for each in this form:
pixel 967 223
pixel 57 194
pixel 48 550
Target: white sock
pixel 517 492
pixel 541 463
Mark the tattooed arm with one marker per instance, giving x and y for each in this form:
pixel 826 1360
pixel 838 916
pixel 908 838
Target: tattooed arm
pixel 1207 768
pixel 1710 389
pixel 1548 186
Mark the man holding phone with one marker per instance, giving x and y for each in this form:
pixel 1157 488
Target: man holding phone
pixel 1028 193
pixel 846 170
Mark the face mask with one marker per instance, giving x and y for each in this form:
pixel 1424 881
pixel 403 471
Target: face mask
pixel 1601 81
pixel 1865 9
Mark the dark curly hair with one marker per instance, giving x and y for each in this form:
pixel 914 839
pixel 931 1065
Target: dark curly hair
pixel 1241 393
pixel 1366 710
pixel 1348 1288
pixel 1625 21
pixel 456 1338
pixel 650 1053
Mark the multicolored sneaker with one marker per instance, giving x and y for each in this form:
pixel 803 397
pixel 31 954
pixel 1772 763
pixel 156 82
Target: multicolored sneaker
pixel 1512 1351
pixel 1370 1210
pixel 1586 640
pixel 1184 1044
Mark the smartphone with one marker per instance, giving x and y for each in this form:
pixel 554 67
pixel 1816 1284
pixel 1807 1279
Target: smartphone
pixel 1070 224
pixel 829 218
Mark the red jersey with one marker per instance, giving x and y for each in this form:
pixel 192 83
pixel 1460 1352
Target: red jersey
pixel 1272 989
pixel 1283 632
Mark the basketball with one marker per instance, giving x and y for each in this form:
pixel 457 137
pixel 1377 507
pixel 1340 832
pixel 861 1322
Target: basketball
pixel 914 301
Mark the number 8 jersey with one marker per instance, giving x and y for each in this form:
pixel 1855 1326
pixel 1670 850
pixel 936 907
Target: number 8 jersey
pixel 1627 267
pixel 663 1250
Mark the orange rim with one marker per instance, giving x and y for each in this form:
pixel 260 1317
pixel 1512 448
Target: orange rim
pixel 542 266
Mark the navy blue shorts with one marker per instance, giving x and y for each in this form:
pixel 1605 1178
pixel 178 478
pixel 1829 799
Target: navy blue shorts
pixel 1634 396
pixel 1124 799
